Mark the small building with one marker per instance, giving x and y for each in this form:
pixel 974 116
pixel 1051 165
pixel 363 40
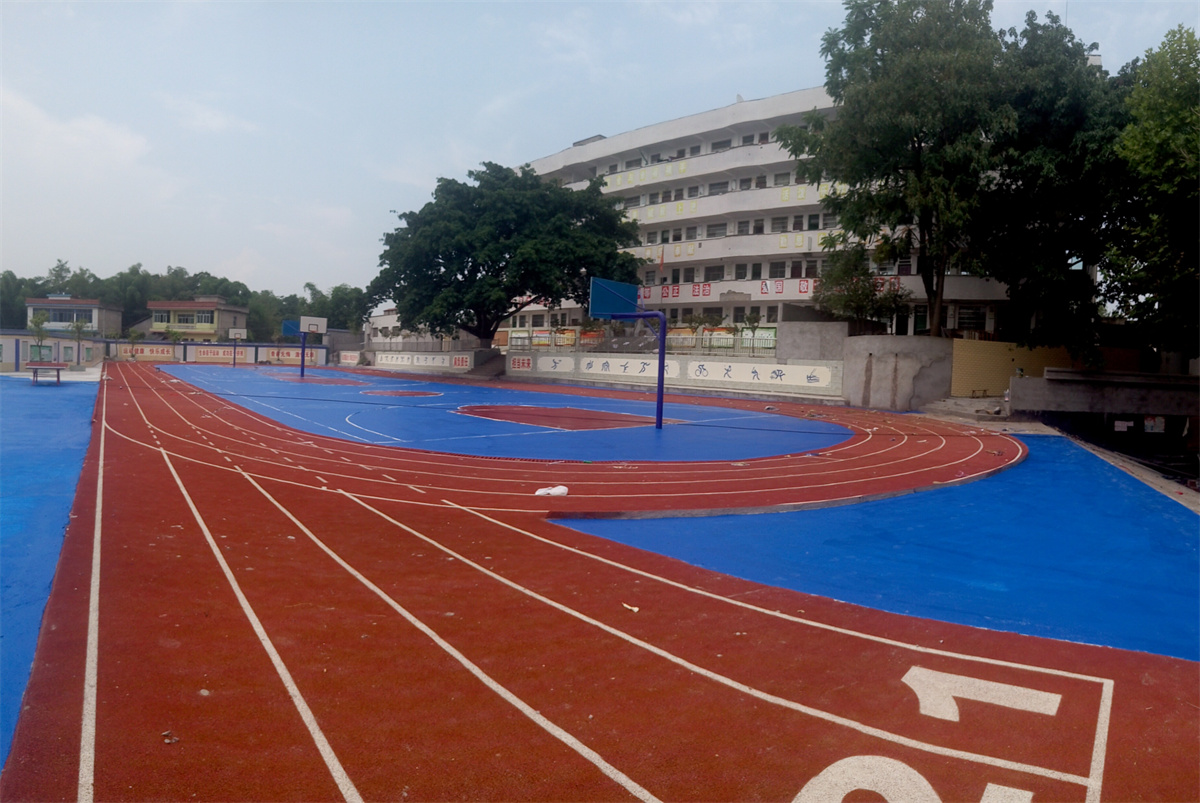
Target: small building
pixel 62 311
pixel 204 319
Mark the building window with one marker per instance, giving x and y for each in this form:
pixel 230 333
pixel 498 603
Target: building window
pixel 831 221
pixel 812 269
pixel 715 230
pixel 756 270
pixel 782 179
pixel 693 192
pixel 674 275
pixel 758 226
pixel 650 278
pixel 760 182
pixel 694 150
pixel 655 158
pixel 748 139
pixel 632 201
pixel 678 194
pixel 972 317
pixel 739 314
pixel 204 316
pixel 653 199
pixel 538 320
pixel 814 222
pixel 676 235
pixel 777 270
pixel 904 266
pixel 721 145
pixel 665 235
pixel 162 316
pixel 718 188
pixel 674 313
pixel 652 238
pixel 185 318
pixel 743 227
pixel 714 312
pixel 714 273
pixel 689 233
pixel 797 269
pixel 778 224
pixel 521 318
pixel 633 164
pixel 689 275
pixel 772 314
pixel 764 138
pixel 798 223
pixel 613 168
pixel 739 271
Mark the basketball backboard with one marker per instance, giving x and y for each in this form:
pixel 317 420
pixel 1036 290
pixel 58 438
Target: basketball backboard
pixel 313 326
pixel 607 298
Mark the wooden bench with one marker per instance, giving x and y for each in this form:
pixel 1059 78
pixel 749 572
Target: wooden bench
pixel 38 367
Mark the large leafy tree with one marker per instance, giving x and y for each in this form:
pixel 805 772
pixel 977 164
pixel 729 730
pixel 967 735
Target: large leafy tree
pixel 910 139
pixel 480 252
pixel 849 290
pixel 1056 184
pixel 1153 267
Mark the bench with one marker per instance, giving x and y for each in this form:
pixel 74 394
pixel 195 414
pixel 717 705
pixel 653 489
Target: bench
pixel 38 367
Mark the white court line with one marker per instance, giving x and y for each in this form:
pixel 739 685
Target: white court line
pixel 854 725
pixel 554 730
pixel 345 785
pixel 86 788
pixel 1095 777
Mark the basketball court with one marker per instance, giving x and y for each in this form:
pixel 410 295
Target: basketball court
pixel 347 587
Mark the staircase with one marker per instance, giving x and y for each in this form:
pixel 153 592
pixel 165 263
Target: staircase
pixel 490 369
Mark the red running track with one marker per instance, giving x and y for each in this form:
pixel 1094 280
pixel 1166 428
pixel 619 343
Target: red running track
pixel 244 612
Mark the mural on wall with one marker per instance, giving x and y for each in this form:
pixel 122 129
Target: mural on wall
pixel 408 359
pixel 628 366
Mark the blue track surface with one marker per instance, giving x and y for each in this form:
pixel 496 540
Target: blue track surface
pixel 1063 545
pixel 44 432
pixel 430 422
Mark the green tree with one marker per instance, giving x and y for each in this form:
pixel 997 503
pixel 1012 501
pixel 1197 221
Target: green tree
pixel 134 336
pixel 78 327
pixel 1151 269
pixel 1054 186
pixel 908 146
pixel 13 292
pixel 478 253
pixel 37 327
pixel 850 291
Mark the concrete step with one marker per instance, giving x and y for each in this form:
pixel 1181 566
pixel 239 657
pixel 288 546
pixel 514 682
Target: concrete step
pixel 991 408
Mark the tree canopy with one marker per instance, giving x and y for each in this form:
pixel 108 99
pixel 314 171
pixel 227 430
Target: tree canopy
pixel 1152 268
pixel 132 289
pixel 910 140
pixel 480 252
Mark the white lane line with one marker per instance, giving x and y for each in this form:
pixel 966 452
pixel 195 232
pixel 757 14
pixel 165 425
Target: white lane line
pixel 87 736
pixel 345 785
pixel 1100 743
pixel 783 702
pixel 554 730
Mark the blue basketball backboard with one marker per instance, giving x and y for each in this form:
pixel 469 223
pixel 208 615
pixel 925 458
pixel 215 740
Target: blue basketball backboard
pixel 607 298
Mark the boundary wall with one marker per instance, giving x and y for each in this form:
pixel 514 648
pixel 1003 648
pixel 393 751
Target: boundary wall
pixel 454 362
pixel 801 378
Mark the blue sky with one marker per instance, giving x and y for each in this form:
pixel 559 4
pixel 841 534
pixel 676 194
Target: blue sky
pixel 268 142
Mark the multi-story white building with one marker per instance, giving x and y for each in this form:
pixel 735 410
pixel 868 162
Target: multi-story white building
pixel 726 229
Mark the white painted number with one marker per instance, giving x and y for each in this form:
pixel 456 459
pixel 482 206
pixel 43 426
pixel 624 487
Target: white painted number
pixel 894 780
pixel 936 692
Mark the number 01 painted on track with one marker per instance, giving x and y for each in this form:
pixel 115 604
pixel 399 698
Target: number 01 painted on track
pixel 937 695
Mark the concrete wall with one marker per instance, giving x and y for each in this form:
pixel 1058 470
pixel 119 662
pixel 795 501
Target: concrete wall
pixel 896 373
pixel 810 340
pixel 984 368
pixel 449 362
pixel 1063 390
pixel 811 379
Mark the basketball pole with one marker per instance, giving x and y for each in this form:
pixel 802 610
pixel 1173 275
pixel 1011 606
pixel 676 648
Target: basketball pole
pixel 662 353
pixel 303 346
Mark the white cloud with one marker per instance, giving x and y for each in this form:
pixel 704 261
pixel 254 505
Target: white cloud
pixel 87 145
pixel 193 114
